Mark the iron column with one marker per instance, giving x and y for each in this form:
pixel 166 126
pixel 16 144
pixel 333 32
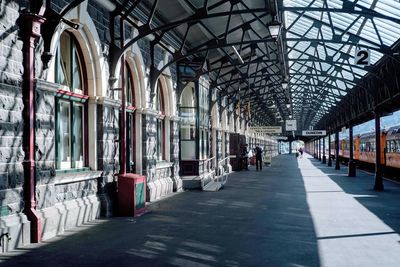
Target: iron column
pixel 323 150
pixel 378 166
pixel 352 163
pixel 337 163
pixel 329 151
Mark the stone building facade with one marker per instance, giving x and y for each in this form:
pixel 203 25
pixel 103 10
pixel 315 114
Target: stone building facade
pixel 76 129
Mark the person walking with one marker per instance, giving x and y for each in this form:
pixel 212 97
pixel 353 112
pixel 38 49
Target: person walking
pixel 259 152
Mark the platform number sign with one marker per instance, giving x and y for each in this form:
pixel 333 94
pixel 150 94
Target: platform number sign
pixel 362 56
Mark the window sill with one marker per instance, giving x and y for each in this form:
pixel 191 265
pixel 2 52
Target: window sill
pixel 75 175
pixel 163 164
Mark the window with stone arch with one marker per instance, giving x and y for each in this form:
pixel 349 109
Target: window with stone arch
pixel 126 81
pixel 160 135
pixel 188 114
pixel 71 104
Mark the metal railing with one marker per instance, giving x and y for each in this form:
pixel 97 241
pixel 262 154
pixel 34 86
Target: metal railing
pixel 219 175
pixel 208 171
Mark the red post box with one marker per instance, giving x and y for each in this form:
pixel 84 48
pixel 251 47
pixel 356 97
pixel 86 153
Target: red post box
pixel 131 194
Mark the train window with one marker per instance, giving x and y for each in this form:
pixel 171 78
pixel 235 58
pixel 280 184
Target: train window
pixel 362 147
pixel 388 146
pixel 392 146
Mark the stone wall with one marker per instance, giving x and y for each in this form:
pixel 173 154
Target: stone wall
pixel 12 221
pixel 174 150
pixel 107 153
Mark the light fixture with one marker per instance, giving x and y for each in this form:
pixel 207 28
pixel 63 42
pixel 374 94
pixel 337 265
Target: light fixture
pixel 290 116
pixel 284 84
pixel 288 105
pixel 237 55
pixel 274 28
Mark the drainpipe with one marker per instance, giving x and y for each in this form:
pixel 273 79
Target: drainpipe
pixel 32 23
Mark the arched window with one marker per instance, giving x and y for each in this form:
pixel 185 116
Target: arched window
pixel 128 83
pixel 160 142
pixel 188 123
pixel 71 105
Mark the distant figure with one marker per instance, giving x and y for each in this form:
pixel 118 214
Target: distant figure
pixel 245 157
pixel 259 152
pixel 301 152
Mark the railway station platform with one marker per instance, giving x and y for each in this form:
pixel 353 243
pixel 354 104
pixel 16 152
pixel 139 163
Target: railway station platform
pixel 296 212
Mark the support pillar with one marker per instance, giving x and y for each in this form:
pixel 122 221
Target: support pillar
pixel 315 149
pixel 352 163
pixel 378 166
pixel 32 24
pixel 122 121
pixel 329 151
pixel 337 163
pixel 319 149
pixel 323 150
pixel 290 147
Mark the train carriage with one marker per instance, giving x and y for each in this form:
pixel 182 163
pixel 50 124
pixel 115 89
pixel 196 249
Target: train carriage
pixel 392 151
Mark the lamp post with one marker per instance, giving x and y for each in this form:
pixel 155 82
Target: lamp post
pixel 274 28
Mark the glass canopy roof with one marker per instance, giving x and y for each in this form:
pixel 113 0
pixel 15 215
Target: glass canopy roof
pixel 321 39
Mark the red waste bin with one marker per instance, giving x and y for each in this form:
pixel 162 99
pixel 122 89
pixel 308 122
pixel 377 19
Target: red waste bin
pixel 131 194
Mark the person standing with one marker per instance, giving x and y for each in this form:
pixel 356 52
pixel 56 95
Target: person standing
pixel 259 152
pixel 245 157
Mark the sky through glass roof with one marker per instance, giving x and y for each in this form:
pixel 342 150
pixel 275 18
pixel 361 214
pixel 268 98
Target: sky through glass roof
pixel 322 37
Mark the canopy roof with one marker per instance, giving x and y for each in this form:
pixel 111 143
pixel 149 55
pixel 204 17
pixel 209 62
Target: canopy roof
pixel 231 42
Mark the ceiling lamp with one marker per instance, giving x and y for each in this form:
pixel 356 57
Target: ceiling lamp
pixel 284 85
pixel 240 59
pixel 274 28
pixel 288 105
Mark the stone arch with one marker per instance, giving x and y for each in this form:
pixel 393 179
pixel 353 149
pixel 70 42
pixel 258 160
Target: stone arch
pixel 224 120
pixel 90 46
pixel 215 120
pixel 231 124
pixel 138 81
pixel 162 81
pixel 168 93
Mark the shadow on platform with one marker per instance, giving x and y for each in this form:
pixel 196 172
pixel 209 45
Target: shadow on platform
pixel 258 219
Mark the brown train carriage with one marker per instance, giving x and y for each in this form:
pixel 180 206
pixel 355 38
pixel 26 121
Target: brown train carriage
pixel 393 147
pixel 346 147
pixel 367 147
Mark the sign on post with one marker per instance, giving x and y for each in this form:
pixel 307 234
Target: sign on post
pixel 291 125
pixel 362 56
pixel 314 133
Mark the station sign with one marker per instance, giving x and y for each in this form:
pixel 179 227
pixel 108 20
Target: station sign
pixel 277 137
pixel 361 56
pixel 314 133
pixel 267 129
pixel 291 125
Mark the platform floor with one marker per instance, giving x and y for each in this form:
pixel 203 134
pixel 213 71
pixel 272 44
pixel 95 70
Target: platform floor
pixel 297 212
